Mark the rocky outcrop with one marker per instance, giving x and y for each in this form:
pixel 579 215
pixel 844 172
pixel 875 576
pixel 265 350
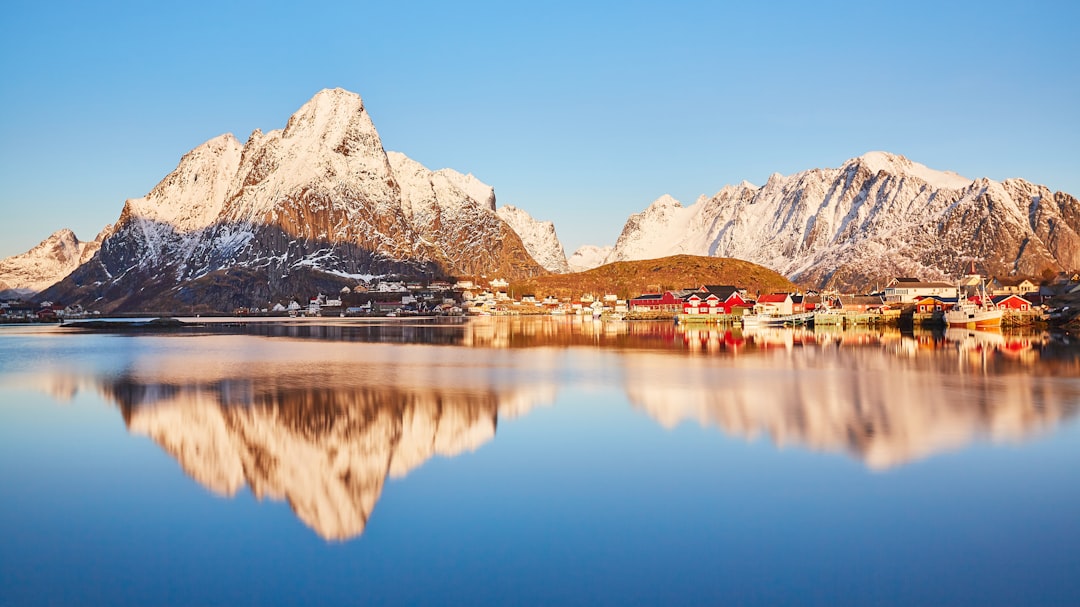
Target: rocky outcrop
pixel 539 238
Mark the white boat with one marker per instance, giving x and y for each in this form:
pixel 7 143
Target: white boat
pixel 971 315
pixel 759 320
pixel 770 320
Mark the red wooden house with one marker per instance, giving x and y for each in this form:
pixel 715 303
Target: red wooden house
pixel 713 299
pixel 1012 302
pixel 932 304
pixel 667 301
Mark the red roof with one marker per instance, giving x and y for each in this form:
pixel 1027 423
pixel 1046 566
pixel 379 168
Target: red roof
pixel 773 298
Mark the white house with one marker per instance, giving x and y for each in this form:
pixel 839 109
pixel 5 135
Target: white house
pixel 779 304
pixel 910 290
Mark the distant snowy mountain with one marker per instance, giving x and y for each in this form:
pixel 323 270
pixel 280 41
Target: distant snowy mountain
pixel 539 238
pixel 295 209
pixel 47 263
pixel 879 215
pixel 588 257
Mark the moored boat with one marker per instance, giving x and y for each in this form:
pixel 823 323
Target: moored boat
pixel 971 315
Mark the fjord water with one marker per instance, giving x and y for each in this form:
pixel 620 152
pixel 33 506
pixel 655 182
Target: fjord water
pixel 537 461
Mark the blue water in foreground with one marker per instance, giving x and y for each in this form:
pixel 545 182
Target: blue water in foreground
pixel 537 462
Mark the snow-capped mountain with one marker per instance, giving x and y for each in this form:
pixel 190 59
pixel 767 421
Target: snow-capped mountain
pixel 879 215
pixel 235 221
pixel 588 257
pixel 539 238
pixel 51 260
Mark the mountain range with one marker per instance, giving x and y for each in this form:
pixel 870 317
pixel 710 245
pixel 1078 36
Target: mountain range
pixel 876 217
pixel 320 203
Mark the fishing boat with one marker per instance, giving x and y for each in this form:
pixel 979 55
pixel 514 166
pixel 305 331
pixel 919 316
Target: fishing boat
pixel 971 315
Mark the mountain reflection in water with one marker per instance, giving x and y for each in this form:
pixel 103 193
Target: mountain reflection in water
pixel 323 424
pixel 323 434
pixel 326 451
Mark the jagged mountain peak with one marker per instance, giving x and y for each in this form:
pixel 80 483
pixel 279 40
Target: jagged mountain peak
pixel 539 238
pixel 333 121
pixel 47 262
pixel 471 185
pixel 62 243
pixel 192 195
pixel 896 164
pixel 665 201
pixel 588 257
pixel 61 234
pixel 330 110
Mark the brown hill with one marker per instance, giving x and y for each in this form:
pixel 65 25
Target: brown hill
pixel 628 279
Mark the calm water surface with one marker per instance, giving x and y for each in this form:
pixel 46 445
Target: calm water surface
pixel 537 461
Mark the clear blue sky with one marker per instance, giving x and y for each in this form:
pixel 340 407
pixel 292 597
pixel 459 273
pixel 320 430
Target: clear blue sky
pixel 580 115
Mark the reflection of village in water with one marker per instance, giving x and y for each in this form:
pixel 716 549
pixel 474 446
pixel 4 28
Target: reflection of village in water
pixel 1057 353
pixel 325 433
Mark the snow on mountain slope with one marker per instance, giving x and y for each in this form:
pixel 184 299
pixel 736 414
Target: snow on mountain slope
pixel 51 260
pixel 875 217
pixel 473 187
pixel 588 257
pixel 538 237
pixel 192 196
pixel 646 234
pixel 898 165
pixel 321 194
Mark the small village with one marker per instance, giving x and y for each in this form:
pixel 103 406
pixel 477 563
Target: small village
pixel 904 301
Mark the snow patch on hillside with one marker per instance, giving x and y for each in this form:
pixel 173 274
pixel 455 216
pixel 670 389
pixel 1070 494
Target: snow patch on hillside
pixel 588 257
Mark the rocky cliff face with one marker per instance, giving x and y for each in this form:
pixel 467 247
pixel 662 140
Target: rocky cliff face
pixel 47 263
pixel 539 238
pixel 877 216
pixel 234 222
